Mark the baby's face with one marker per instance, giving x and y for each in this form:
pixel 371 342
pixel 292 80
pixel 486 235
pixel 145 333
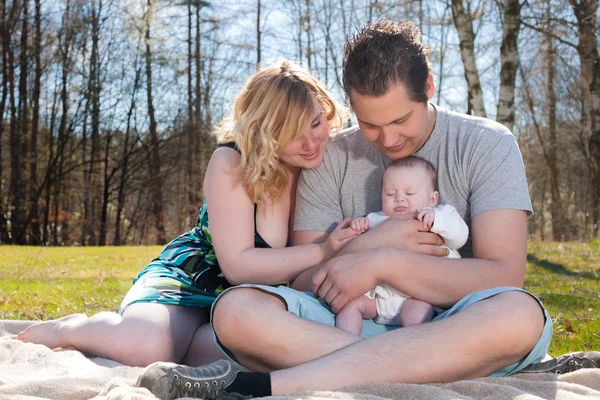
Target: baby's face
pixel 406 190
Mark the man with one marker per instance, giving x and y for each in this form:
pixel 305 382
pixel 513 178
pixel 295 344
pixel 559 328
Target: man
pixel 490 326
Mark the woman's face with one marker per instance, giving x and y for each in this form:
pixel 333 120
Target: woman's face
pixel 307 151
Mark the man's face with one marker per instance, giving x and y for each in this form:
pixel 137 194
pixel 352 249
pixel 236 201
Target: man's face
pixel 394 123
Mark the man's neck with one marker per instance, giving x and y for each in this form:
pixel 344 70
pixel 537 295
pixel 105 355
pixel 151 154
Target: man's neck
pixel 431 118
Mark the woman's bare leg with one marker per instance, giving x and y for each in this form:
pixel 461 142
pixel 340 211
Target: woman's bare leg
pixel 146 332
pixel 203 349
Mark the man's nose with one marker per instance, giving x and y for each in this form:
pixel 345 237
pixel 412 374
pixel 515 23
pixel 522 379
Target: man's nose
pixel 389 136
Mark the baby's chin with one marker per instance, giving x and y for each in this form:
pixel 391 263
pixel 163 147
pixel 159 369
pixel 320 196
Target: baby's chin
pixel 406 215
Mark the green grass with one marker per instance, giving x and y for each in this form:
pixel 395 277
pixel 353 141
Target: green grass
pixel 45 283
pixel 566 277
pixel 50 282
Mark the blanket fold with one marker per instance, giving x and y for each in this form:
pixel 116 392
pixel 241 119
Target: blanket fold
pixel 34 372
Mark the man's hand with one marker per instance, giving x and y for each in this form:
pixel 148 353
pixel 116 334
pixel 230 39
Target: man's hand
pixel 345 278
pixel 404 234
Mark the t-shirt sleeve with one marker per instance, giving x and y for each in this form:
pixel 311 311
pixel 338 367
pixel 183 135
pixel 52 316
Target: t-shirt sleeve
pixel 318 203
pixel 497 174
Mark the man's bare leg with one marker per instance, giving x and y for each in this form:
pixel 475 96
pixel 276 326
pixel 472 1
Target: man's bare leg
pixel 479 340
pixel 264 336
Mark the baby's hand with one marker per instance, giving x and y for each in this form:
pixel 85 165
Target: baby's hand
pixel 360 225
pixel 426 216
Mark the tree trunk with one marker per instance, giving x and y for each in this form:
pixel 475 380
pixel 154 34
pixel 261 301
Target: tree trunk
pixel 91 225
pixel 34 194
pixel 443 47
pixel 85 226
pixel 258 34
pixel 200 124
pixel 308 33
pixel 586 12
pixel 509 63
pixel 50 173
pixel 62 128
pixel 15 152
pixel 154 159
pixel 542 209
pixel 22 120
pixel 4 237
pixel 125 161
pixel 464 25
pixel 105 194
pixel 556 207
pixel 192 129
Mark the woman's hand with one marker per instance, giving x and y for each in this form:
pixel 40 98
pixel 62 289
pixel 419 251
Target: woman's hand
pixel 337 239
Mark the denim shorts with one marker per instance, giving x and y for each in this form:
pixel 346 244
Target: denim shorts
pixel 305 305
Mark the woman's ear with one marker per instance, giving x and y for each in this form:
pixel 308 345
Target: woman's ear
pixel 433 198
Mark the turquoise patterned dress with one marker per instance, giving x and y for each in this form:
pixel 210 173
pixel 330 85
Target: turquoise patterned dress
pixel 187 272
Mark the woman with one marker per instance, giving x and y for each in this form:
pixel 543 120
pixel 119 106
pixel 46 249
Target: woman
pixel 280 124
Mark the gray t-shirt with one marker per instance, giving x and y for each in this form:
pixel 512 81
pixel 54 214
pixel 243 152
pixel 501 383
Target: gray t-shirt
pixel 479 167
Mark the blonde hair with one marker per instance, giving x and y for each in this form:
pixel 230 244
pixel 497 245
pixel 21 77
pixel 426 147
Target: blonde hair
pixel 273 109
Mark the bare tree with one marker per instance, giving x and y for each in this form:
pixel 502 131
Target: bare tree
pixel 8 23
pixel 258 34
pixel 509 62
pixel 154 166
pixel 66 40
pixel 91 179
pixel 34 193
pixel 463 20
pixel 192 128
pixel 15 148
pixel 586 12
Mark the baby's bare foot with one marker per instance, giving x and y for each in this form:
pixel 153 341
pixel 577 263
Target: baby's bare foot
pixel 51 333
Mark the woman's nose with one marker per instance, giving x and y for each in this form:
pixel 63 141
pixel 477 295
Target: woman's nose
pixel 309 142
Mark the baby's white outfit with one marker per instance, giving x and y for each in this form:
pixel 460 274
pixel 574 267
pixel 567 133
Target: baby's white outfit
pixel 450 226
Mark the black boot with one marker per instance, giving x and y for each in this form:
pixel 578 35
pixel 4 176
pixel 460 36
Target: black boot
pixel 566 363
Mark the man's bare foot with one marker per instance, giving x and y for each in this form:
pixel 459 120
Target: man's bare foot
pixel 51 333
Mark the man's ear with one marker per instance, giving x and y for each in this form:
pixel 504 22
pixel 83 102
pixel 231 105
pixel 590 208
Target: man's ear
pixel 433 198
pixel 430 87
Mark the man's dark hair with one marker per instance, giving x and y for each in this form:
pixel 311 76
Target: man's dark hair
pixel 417 162
pixel 385 53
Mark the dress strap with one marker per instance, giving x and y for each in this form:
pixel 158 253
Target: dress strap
pixel 231 145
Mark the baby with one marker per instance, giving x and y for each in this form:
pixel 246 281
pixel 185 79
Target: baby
pixel 409 191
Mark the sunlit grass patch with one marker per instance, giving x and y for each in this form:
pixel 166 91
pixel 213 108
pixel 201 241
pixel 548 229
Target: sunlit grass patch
pixel 50 282
pixel 566 277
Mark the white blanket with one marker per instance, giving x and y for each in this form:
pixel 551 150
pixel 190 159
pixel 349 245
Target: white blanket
pixel 29 371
